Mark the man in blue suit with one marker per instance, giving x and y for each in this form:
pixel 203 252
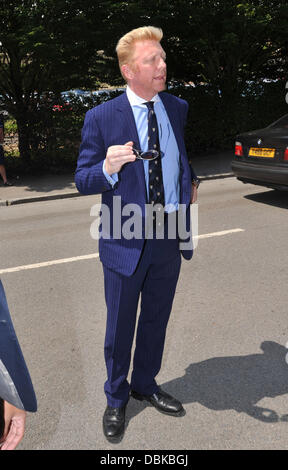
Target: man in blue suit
pixel 133 152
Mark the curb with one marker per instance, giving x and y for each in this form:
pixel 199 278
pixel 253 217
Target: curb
pixel 216 177
pixel 24 200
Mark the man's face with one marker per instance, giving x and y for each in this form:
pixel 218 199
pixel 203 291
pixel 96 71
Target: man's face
pixel 147 71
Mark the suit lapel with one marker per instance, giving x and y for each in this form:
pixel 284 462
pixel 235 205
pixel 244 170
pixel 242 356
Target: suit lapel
pixel 170 110
pixel 125 109
pixel 123 106
pixel 185 177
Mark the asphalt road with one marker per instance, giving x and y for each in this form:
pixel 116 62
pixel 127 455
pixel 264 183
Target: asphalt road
pixel 225 354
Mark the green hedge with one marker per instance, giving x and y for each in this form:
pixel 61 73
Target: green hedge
pixel 213 123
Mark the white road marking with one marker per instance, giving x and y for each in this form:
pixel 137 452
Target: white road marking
pixel 96 255
pixel 48 263
pixel 219 234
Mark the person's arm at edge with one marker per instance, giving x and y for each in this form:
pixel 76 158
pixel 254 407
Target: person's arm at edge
pixel 14 427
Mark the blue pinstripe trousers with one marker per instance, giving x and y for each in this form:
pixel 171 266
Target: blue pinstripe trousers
pixel 155 279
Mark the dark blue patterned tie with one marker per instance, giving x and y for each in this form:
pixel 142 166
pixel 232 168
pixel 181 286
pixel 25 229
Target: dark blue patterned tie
pixel 156 188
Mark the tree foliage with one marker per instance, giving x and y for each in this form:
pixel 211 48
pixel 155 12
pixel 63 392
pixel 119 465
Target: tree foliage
pixel 46 45
pixel 55 45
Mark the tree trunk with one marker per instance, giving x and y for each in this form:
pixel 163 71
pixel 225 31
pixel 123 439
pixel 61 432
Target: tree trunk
pixel 24 137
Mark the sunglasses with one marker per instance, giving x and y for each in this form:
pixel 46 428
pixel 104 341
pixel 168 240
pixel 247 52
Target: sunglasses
pixel 148 155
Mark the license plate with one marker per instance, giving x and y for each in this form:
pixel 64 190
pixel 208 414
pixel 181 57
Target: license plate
pixel 261 152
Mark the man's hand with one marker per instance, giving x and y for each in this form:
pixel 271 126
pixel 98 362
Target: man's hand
pixel 117 156
pixel 14 426
pixel 193 194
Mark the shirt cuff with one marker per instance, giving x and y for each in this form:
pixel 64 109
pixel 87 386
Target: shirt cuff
pixel 112 179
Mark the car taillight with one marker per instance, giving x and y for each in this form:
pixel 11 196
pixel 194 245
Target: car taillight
pixel 238 149
pixel 286 154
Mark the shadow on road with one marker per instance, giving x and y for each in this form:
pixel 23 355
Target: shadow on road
pixel 232 383
pixel 42 183
pixel 273 198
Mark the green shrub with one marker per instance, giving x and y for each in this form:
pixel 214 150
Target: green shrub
pixel 213 123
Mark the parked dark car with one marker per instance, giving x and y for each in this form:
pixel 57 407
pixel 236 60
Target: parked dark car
pixel 261 156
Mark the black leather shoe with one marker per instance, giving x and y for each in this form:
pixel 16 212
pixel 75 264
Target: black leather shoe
pixel 162 401
pixel 114 423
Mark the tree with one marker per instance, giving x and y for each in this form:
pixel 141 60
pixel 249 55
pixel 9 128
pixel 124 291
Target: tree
pixel 45 45
pixel 53 45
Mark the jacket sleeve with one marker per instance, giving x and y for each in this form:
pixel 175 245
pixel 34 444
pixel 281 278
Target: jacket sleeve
pixel 89 176
pixel 15 382
pixel 193 174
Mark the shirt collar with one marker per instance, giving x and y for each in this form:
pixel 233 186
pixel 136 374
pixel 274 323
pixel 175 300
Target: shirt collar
pixel 136 100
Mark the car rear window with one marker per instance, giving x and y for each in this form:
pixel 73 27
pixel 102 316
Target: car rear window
pixel 282 122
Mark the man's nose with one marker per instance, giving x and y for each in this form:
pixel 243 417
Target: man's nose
pixel 162 63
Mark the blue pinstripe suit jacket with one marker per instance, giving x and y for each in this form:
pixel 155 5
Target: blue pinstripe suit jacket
pixel 113 123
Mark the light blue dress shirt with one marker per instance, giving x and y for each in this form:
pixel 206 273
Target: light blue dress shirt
pixel 168 146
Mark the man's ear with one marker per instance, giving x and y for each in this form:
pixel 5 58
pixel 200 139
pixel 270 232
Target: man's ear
pixel 127 71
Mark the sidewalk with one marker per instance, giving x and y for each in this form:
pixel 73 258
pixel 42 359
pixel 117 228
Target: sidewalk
pixel 34 188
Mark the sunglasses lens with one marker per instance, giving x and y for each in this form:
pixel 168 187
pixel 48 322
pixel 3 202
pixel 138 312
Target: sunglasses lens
pixel 150 155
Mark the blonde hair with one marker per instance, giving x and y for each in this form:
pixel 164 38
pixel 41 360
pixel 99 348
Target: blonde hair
pixel 125 44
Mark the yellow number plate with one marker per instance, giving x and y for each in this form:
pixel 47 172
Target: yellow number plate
pixel 261 152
